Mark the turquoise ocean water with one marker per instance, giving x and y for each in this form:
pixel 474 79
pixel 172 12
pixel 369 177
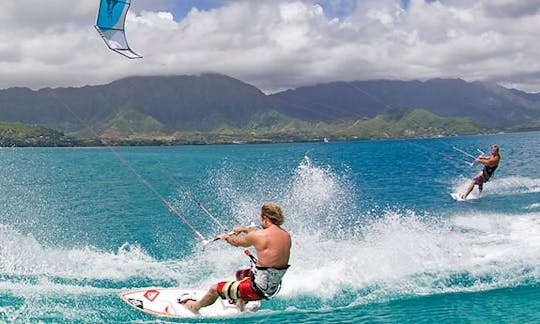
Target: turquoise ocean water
pixel 376 235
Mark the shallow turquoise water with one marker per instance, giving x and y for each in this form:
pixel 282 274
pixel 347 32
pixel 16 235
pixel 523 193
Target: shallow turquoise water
pixel 376 236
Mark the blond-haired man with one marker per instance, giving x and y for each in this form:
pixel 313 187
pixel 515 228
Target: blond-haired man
pixel 272 245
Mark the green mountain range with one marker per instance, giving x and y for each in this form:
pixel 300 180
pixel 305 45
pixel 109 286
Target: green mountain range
pixel 214 108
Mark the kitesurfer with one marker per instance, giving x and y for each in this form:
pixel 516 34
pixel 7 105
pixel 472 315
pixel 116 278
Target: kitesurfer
pixel 272 244
pixel 490 162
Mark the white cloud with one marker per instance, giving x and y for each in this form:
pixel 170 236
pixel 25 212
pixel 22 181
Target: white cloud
pixel 278 44
pixel 511 8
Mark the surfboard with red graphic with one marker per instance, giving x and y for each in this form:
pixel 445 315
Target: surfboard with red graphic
pixel 165 302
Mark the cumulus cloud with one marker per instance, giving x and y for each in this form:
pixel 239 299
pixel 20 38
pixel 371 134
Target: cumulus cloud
pixel 279 44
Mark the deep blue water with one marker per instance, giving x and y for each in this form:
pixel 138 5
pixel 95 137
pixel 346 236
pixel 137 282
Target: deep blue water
pixel 376 236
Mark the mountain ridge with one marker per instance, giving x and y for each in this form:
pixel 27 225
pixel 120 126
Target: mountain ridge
pixel 490 105
pixel 194 108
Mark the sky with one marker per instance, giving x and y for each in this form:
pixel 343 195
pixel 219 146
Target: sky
pixel 275 44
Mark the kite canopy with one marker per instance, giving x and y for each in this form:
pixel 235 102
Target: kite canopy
pixel 110 25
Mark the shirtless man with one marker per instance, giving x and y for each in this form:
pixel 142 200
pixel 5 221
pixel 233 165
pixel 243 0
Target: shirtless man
pixel 272 244
pixel 490 162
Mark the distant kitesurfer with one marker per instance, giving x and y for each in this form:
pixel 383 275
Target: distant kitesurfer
pixel 490 162
pixel 272 244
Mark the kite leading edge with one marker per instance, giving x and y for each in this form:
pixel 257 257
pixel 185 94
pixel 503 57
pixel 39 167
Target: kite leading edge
pixel 110 25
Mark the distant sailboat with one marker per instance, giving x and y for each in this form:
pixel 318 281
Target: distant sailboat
pixel 325 140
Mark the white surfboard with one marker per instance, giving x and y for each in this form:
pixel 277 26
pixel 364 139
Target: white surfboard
pixel 164 302
pixel 457 197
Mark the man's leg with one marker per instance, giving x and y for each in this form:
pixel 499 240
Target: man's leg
pixel 469 189
pixel 480 188
pixel 240 304
pixel 208 299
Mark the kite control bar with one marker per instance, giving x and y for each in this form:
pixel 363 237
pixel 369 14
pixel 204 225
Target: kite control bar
pixel 205 242
pixel 469 155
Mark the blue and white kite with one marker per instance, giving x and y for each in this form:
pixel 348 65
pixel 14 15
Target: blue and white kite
pixel 110 25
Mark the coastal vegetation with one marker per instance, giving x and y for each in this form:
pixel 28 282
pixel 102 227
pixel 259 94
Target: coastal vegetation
pixel 135 129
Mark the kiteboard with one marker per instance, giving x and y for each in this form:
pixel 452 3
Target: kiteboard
pixel 165 302
pixel 457 197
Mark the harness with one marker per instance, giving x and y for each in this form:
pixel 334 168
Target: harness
pixel 488 171
pixel 266 281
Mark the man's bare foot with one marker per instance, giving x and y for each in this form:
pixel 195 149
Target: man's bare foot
pixel 190 304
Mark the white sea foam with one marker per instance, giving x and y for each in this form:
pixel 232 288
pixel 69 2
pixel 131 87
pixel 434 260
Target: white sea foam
pixel 23 256
pixel 501 186
pixel 533 206
pixel 403 254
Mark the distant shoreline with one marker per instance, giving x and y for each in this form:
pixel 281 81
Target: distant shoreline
pixel 73 142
